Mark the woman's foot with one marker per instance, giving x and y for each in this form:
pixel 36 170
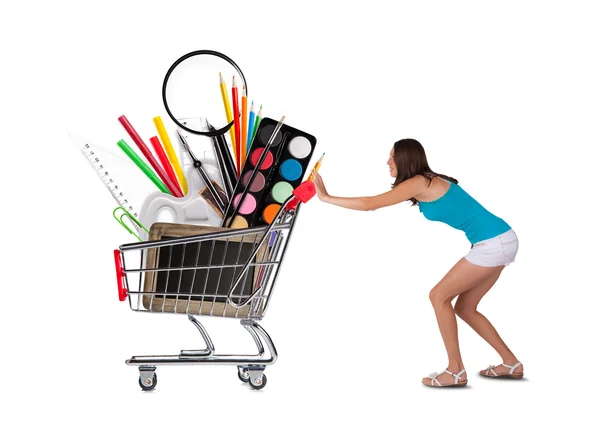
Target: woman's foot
pixel 511 369
pixel 451 377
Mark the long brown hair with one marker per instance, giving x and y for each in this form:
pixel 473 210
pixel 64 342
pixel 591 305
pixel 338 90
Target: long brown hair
pixel 410 160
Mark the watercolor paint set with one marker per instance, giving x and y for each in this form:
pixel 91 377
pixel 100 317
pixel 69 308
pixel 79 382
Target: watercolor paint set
pixel 281 171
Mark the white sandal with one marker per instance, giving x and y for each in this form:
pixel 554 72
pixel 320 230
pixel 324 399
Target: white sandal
pixel 457 383
pixel 510 374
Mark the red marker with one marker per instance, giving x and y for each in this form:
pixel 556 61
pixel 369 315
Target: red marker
pixel 164 160
pixel 175 191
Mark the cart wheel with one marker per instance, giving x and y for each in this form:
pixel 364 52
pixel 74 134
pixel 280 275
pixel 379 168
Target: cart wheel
pixel 243 375
pixel 261 384
pixel 146 384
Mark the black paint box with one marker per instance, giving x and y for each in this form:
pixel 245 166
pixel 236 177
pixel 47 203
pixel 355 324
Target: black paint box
pixel 282 170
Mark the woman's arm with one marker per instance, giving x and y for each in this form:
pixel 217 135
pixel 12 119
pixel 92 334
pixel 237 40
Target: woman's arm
pixel 360 203
pixel 404 191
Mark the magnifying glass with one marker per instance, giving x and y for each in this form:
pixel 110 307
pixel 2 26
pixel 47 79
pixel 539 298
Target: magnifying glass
pixel 199 84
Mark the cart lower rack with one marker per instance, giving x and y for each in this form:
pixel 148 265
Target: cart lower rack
pixel 228 273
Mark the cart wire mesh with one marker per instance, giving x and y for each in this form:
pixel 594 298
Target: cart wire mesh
pixel 228 273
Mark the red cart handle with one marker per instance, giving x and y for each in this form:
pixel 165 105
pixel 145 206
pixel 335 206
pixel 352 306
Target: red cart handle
pixel 120 276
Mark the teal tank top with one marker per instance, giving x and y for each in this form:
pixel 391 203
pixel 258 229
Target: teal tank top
pixel 459 210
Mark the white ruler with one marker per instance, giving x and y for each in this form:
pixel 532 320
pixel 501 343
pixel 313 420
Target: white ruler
pixel 95 158
pixel 123 179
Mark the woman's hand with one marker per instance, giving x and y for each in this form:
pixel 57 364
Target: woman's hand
pixel 320 186
pixel 360 204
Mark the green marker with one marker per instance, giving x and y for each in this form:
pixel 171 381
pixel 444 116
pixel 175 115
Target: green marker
pixel 143 166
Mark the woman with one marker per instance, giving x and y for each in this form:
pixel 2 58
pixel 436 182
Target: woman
pixel 493 246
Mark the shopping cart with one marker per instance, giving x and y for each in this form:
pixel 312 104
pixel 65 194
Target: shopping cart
pixel 229 273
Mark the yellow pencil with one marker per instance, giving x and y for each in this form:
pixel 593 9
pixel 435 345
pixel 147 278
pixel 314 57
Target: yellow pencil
pixel 315 168
pixel 228 113
pixel 164 137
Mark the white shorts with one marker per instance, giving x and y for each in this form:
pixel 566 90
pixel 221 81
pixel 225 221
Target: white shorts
pixel 496 251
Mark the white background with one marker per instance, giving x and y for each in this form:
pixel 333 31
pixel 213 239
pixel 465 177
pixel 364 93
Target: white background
pixel 503 96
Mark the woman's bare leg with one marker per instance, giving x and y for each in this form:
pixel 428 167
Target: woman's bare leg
pixel 466 309
pixel 463 276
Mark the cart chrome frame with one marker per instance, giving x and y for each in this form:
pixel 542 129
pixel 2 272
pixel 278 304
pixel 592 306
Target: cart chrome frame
pixel 249 308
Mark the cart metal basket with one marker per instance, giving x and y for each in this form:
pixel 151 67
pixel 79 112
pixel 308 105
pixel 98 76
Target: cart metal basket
pixel 229 273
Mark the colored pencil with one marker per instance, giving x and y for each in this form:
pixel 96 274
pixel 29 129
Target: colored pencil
pixel 236 120
pixel 250 127
pixel 153 162
pixel 256 123
pixel 244 126
pixel 162 156
pixel 315 168
pixel 164 137
pixel 252 177
pixel 227 111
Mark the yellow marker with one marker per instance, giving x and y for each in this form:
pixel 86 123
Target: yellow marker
pixel 228 113
pixel 164 137
pixel 316 168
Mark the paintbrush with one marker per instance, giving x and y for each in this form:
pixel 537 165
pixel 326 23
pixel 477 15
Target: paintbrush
pixel 227 158
pixel 227 184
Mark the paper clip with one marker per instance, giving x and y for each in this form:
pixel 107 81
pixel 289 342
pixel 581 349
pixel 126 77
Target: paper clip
pixel 135 221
